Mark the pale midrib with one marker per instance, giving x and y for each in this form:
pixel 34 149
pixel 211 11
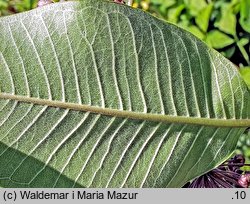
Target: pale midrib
pixel 130 114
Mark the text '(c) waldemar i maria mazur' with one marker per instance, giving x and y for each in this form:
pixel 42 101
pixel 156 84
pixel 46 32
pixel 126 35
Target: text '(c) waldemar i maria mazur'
pixel 78 195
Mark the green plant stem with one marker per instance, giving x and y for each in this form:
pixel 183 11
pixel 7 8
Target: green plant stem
pixel 242 50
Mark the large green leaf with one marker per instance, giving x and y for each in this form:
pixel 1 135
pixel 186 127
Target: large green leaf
pixel 245 73
pixel 97 94
pixel 245 15
pixel 218 40
pixel 202 19
pixel 227 22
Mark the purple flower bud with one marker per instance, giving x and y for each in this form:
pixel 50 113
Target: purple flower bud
pixel 44 2
pixel 227 175
pixel 119 1
pixel 244 180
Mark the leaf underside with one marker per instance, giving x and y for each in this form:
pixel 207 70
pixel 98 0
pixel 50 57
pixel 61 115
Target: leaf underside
pixel 69 72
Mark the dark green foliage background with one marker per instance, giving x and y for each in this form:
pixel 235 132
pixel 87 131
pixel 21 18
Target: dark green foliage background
pixel 222 24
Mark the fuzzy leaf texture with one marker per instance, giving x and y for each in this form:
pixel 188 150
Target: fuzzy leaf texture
pixel 96 94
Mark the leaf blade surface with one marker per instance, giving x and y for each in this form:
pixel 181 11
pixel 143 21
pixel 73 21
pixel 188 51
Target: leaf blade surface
pixel 109 96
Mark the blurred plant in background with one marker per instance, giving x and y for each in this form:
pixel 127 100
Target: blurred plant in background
pixel 243 146
pixel 8 7
pixel 222 24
